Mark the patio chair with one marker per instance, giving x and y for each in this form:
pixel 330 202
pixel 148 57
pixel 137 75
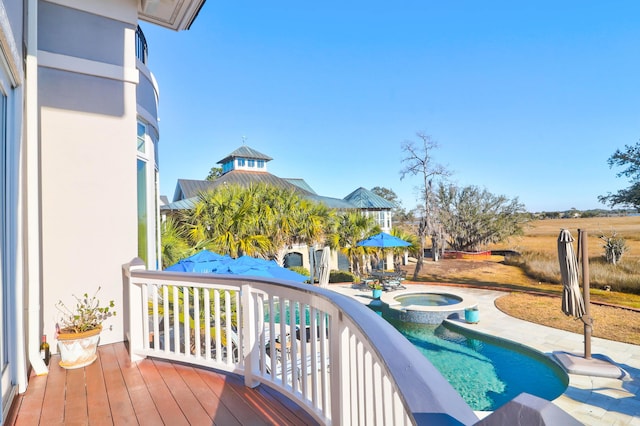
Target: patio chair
pixel 279 361
pixel 394 282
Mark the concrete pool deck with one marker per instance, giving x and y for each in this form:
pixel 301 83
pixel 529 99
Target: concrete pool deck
pixel 591 400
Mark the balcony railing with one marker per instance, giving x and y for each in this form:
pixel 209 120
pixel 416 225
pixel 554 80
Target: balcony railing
pixel 141 46
pixel 336 358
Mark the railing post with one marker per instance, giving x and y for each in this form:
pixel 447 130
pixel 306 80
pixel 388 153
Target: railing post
pixel 340 380
pixel 249 345
pixel 134 303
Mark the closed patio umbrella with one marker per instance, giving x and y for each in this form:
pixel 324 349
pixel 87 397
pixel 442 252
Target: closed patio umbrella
pixel 323 280
pixel 572 301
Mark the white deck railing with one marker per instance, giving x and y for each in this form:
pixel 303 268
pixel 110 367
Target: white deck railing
pixel 336 358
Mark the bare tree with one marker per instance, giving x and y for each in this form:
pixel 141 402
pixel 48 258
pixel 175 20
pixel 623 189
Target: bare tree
pixel 419 161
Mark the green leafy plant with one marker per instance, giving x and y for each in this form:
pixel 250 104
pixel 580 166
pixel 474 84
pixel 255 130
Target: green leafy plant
pixel 87 314
pixel 375 285
pixel 300 269
pixel 341 277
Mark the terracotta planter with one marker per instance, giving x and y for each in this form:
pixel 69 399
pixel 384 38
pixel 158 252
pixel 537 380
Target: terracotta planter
pixel 78 350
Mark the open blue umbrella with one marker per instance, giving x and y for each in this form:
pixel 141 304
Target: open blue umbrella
pixel 247 265
pixel 383 240
pixel 203 261
pixel 210 262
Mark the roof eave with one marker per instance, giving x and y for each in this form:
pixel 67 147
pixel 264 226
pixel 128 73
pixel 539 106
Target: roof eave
pixel 177 15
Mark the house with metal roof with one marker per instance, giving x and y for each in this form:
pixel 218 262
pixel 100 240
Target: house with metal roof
pixel 246 166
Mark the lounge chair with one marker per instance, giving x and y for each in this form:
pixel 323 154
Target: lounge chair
pixel 279 362
pixel 394 281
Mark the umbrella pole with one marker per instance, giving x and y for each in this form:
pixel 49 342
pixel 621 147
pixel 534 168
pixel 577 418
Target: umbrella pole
pixel 586 318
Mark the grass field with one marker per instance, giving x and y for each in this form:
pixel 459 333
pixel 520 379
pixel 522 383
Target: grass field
pixel 542 235
pixel 540 259
pixel 525 300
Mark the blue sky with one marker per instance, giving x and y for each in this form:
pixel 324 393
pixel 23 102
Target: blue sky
pixel 527 101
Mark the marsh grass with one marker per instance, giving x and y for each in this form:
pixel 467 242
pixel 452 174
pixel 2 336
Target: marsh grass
pixel 623 277
pixel 539 258
pixel 533 279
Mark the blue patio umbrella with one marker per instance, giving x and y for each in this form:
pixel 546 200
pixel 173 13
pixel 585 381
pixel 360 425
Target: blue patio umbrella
pixel 247 265
pixel 209 262
pixel 203 261
pixel 383 240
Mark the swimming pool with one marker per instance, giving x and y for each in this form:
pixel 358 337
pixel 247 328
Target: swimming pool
pixel 487 372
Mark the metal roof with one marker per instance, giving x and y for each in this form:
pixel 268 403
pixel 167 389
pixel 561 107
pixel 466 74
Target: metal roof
pixel 245 152
pixel 332 203
pixel 300 183
pixel 246 178
pixel 365 199
pixel 180 205
pixel 188 188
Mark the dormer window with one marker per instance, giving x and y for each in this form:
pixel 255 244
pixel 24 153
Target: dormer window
pixel 227 167
pixel 245 158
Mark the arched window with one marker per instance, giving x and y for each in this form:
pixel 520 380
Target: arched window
pixel 292 259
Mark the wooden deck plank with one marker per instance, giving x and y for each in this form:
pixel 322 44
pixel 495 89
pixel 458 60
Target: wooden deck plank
pixel 143 405
pixel 256 400
pixel 244 412
pixel 117 394
pixel 99 411
pixel 185 398
pixel 115 391
pixel 167 407
pixel 217 411
pixel 75 407
pixel 29 405
pixel 274 398
pixel 54 395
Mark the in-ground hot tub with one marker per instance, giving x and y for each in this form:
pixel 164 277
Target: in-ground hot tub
pixel 425 307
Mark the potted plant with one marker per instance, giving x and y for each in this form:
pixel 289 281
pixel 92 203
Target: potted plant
pixel 377 289
pixel 79 330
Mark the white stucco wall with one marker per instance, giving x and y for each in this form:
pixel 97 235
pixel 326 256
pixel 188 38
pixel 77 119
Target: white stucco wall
pixel 87 108
pixel 121 10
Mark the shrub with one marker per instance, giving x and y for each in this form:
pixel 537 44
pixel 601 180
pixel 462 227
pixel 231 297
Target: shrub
pixel 614 247
pixel 341 277
pixel 301 270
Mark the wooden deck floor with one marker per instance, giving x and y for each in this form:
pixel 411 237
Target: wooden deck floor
pixel 113 391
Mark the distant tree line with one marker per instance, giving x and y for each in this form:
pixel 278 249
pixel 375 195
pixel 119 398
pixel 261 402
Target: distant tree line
pixel 629 158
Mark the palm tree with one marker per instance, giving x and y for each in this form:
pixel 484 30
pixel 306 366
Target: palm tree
pixel 174 244
pixel 408 237
pixel 354 227
pixel 227 220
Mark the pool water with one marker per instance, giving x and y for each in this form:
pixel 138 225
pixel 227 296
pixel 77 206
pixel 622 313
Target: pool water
pixel 482 369
pixel 428 299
